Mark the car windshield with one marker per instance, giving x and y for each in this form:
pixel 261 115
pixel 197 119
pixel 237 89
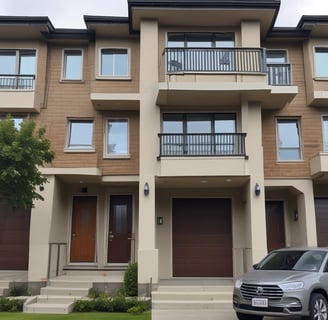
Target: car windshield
pixel 306 260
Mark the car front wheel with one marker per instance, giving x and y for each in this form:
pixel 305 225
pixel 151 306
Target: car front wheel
pixel 244 316
pixel 318 307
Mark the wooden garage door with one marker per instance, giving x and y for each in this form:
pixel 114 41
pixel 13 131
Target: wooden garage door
pixel 14 238
pixel 275 225
pixel 321 213
pixel 202 239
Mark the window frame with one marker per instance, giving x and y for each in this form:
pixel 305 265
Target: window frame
pixel 324 139
pixel 17 78
pixel 212 36
pixel 115 77
pixel 315 67
pixel 15 117
pixel 300 148
pixel 107 155
pixel 285 51
pixel 68 146
pixel 64 64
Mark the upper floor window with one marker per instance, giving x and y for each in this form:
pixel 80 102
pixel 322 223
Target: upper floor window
pixel 17 69
pixel 289 146
pixel 325 133
pixel 80 135
pixel 114 62
pixel 321 62
pixel 279 71
pixel 200 40
pixel 276 56
pixel 199 123
pixel 18 120
pixel 72 64
pixel 117 137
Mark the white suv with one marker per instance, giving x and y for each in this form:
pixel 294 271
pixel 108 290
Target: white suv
pixel 287 282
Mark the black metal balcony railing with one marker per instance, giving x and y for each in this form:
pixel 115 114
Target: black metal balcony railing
pixel 226 60
pixel 279 74
pixel 202 144
pixel 17 81
pixel 215 60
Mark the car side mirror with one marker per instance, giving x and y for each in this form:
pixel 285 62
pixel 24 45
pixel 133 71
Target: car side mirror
pixel 255 266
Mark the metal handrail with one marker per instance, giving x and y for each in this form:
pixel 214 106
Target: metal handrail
pixel 202 144
pixel 17 81
pixel 279 74
pixel 238 60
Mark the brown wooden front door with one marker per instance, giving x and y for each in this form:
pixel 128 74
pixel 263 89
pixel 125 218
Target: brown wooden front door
pixel 321 213
pixel 83 235
pixel 14 238
pixel 202 238
pixel 275 225
pixel 120 229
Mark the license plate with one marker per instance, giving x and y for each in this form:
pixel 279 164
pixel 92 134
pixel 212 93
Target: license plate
pixel 260 302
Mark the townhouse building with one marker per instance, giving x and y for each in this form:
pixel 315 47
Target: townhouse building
pixel 190 137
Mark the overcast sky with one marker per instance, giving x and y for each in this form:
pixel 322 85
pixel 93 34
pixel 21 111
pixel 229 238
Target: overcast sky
pixel 69 13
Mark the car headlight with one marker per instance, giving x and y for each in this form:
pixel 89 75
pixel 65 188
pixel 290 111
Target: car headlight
pixel 291 286
pixel 238 284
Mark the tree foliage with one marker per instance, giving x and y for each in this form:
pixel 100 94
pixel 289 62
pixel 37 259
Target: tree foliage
pixel 22 151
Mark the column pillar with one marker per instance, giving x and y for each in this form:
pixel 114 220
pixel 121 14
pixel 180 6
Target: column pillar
pixel 149 128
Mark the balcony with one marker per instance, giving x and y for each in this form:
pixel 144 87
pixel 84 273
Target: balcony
pixel 319 166
pixel 17 93
pixel 224 76
pixel 199 155
pixel 215 60
pixel 16 82
pixel 202 145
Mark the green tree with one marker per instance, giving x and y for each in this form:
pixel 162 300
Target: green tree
pixel 22 151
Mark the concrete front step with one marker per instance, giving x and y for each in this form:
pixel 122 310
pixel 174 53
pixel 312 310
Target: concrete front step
pixel 62 283
pixel 57 299
pixel 65 291
pixel 55 308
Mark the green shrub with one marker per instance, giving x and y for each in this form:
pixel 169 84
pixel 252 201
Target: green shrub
pixel 83 306
pixel 131 280
pixel 11 305
pixel 117 304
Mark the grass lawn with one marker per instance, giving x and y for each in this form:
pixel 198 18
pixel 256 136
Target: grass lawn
pixel 74 316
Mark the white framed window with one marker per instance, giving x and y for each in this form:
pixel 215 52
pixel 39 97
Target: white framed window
pixel 72 64
pixel 80 135
pixel 17 69
pixel 114 62
pixel 117 138
pixel 289 142
pixel 321 62
pixel 325 133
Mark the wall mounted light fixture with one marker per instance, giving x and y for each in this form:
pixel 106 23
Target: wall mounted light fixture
pixel 295 215
pixel 257 189
pixel 160 220
pixel 146 189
